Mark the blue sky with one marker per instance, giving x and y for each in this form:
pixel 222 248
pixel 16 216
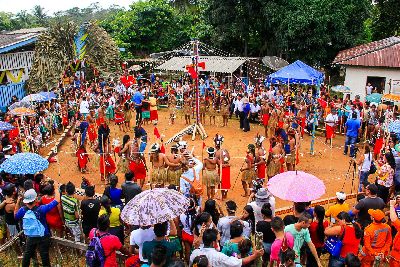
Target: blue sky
pixel 52 6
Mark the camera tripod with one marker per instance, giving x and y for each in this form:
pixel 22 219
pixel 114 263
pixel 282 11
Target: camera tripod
pixel 353 171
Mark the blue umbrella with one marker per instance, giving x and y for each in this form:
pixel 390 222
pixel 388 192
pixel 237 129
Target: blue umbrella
pixel 375 97
pixel 5 126
pixel 24 163
pixel 394 127
pixel 34 98
pixel 341 89
pixel 47 96
pixel 21 104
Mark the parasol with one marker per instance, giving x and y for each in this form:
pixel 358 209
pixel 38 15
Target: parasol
pixel 20 104
pixel 5 126
pixel 154 206
pixel 296 186
pixel 341 89
pixel 394 127
pixel 375 97
pixel 47 96
pixel 34 97
pixel 22 112
pixel 24 163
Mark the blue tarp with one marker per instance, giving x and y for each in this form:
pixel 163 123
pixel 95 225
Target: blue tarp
pixel 297 72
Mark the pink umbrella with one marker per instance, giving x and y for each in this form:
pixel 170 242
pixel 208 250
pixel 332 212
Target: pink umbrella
pixel 296 186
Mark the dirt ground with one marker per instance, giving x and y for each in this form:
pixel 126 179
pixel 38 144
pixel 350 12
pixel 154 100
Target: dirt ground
pixel 330 165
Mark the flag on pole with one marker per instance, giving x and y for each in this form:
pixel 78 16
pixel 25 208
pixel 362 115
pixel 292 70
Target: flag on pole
pixel 204 145
pixel 162 149
pixel 156 133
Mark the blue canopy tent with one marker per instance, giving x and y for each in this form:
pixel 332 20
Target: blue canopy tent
pixel 297 72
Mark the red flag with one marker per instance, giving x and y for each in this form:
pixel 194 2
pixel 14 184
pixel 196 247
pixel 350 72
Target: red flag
pixel 204 145
pixel 191 71
pixel 162 149
pixel 202 65
pixel 156 133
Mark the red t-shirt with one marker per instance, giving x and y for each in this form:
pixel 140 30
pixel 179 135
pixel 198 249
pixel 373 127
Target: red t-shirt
pixel 110 245
pixel 350 242
pixel 313 233
pixel 396 241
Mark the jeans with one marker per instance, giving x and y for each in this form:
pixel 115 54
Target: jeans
pixel 241 119
pixel 138 110
pixel 336 262
pixel 363 179
pixel 350 141
pixel 246 123
pixel 267 251
pixel 75 230
pixel 30 250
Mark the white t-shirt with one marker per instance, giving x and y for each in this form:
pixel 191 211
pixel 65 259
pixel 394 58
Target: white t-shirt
pixel 84 107
pixel 139 236
pixel 224 227
pixel 257 208
pixel 186 226
pixel 331 117
pixel 216 258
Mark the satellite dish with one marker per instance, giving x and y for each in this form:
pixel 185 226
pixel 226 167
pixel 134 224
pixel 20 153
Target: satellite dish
pixel 274 63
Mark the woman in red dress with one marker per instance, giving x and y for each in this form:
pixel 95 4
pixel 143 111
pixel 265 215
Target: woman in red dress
pixel 53 217
pixel 119 118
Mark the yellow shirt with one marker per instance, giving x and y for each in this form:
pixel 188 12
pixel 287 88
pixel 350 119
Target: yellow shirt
pixel 114 216
pixel 153 103
pixel 334 210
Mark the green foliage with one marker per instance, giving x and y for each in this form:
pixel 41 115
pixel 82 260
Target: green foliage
pixel 386 21
pixel 149 26
pixel 5 21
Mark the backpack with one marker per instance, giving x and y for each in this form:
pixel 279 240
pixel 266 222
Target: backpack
pixel 31 224
pixel 95 256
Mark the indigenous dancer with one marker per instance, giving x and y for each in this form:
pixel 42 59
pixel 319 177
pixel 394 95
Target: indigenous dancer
pixel 123 163
pixel 107 166
pixel 159 172
pixel 127 115
pixel 211 177
pixel 172 109
pixel 291 157
pixel 140 133
pixel 272 122
pixel 249 173
pixel 224 110
pixel 265 116
pixel 83 158
pixel 225 170
pixel 187 110
pixel 302 116
pixel 174 172
pixel 137 164
pixel 331 121
pixel 260 157
pixel 92 129
pixel 212 111
pixel 379 134
pixel 202 110
pixel 119 118
pixel 274 163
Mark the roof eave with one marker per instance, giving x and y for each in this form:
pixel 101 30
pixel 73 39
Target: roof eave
pixel 16 45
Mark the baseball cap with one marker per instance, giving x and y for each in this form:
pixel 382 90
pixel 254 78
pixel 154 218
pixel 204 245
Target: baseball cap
pixel 378 215
pixel 29 196
pixel 341 195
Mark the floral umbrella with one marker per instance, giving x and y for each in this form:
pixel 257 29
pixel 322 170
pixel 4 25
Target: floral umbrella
pixel 296 186
pixel 154 206
pixel 22 112
pixel 394 127
pixel 341 89
pixel 24 163
pixel 34 97
pixel 20 104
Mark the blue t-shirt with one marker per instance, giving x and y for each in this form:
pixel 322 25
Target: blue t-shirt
pixel 115 195
pixel 137 98
pixel 42 210
pixel 352 127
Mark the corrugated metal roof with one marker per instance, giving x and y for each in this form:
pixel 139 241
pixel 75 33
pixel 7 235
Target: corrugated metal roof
pixel 213 63
pixel 11 40
pixel 382 53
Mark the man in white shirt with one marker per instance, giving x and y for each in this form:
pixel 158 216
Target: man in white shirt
pixel 192 168
pixel 368 89
pixel 239 109
pixel 219 259
pixel 331 121
pixel 84 107
pixel 224 223
pixel 138 237
pixel 262 197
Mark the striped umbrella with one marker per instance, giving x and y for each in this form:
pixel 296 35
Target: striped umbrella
pixel 22 112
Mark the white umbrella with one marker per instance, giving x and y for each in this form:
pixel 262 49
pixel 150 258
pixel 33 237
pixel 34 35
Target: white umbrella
pixel 154 206
pixel 34 97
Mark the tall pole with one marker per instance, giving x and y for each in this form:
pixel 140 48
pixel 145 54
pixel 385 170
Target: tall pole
pixel 196 65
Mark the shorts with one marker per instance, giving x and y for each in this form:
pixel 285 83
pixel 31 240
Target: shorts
pixel 187 237
pixel 74 229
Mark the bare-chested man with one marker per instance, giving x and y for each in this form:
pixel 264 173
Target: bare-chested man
pixel 210 176
pixel 225 170
pixel 291 157
pixel 261 153
pixel 159 162
pixel 174 171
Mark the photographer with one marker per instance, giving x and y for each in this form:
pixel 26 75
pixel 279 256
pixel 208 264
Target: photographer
pixel 364 166
pixel 258 199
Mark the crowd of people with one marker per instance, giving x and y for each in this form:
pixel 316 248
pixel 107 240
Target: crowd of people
pixel 208 233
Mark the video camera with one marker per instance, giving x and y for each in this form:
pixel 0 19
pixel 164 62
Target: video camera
pixel 257 184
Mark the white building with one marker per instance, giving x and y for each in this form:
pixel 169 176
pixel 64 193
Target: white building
pixel 376 63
